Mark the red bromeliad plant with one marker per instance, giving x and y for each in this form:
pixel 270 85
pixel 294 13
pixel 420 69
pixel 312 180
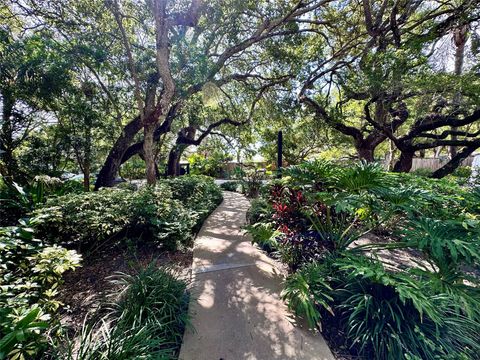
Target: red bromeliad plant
pixel 287 204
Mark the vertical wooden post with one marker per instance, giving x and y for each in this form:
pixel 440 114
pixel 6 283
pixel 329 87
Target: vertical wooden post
pixel 188 168
pixel 177 168
pixel 279 154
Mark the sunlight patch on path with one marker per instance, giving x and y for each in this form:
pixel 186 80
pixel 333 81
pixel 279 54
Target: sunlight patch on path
pixel 236 309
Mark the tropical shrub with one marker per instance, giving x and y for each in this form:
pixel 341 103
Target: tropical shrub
pixel 252 182
pixel 384 315
pixel 30 274
pixel 166 214
pixel 197 193
pixel 264 235
pixel 14 202
pixel 91 219
pixel 287 204
pixel 308 290
pixel 209 166
pixel 166 221
pixel 17 201
pixel 382 310
pixel 149 317
pixel 86 218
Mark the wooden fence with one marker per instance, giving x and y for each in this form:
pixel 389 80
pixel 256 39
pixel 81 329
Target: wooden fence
pixel 436 163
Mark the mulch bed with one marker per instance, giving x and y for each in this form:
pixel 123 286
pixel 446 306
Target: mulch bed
pixel 85 288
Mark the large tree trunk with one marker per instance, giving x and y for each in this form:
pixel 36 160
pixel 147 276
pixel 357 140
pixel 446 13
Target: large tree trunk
pixel 389 161
pixel 365 154
pixel 366 146
pixel 86 176
pixel 110 168
pixel 184 135
pixel 404 163
pixel 109 171
pixel 174 160
pixel 454 163
pixel 10 166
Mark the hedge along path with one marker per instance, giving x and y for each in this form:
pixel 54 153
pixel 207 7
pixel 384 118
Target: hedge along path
pixel 236 310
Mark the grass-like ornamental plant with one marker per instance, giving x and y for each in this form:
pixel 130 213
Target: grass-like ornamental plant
pixel 145 319
pixel 384 315
pixel 307 291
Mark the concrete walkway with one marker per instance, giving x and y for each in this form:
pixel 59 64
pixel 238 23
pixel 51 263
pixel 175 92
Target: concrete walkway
pixel 236 308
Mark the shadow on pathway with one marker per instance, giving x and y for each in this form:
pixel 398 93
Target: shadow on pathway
pixel 236 309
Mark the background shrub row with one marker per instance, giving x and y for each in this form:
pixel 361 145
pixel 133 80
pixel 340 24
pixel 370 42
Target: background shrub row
pixel 167 214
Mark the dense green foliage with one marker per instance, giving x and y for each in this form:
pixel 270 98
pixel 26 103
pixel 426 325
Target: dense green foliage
pixel 97 89
pixel 166 214
pixel 150 316
pixel 230 185
pixel 30 274
pixel 387 309
pixel 17 201
pixel 197 193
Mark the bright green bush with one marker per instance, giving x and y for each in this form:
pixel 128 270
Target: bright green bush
pixel 91 219
pixel 153 295
pixel 86 218
pixel 197 193
pixel 210 166
pixel 156 216
pixel 167 214
pixel 30 274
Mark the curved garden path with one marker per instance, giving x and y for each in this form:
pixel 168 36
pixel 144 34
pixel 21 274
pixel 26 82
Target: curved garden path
pixel 236 310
